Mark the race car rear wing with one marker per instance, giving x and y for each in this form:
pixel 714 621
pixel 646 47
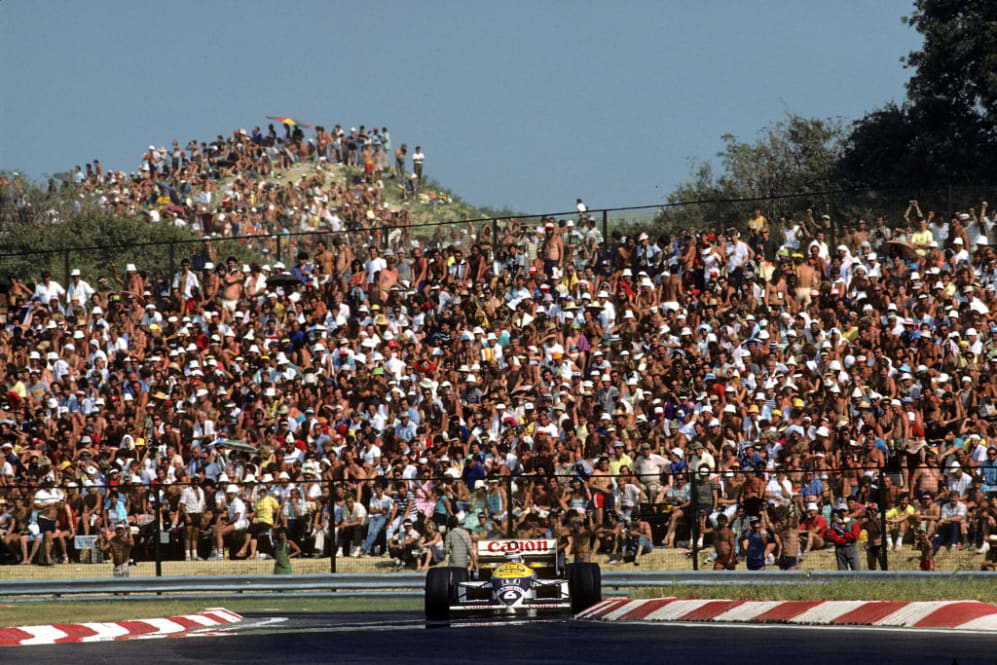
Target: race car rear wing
pixel 536 553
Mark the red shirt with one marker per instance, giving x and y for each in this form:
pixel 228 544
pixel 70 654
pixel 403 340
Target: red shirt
pixel 818 525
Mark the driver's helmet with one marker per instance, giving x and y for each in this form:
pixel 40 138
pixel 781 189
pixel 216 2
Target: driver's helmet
pixel 514 557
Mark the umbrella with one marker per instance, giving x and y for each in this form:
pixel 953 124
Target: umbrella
pixel 233 444
pixel 902 248
pixel 283 279
pixel 289 121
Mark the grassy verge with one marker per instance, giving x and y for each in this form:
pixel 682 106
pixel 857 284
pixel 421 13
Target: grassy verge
pixel 941 588
pixel 26 614
pixel 659 559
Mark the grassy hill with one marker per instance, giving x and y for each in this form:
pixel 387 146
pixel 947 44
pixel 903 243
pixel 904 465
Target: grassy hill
pixel 52 235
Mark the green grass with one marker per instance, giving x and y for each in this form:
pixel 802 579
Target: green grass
pixel 420 211
pixel 38 613
pixel 940 588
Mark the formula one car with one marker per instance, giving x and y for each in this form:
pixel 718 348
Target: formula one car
pixel 514 577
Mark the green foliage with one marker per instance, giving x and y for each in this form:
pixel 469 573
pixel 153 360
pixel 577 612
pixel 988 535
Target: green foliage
pixel 797 155
pixel 958 62
pixel 51 234
pixel 943 135
pixel 946 131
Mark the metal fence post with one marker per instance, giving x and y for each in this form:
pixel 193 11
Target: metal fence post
pixel 332 524
pixel 173 268
pixel 694 524
pixel 605 225
pixel 508 507
pixel 883 556
pixel 159 531
pixel 65 267
pixel 277 253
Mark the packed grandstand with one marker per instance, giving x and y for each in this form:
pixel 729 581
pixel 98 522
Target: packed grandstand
pixel 758 394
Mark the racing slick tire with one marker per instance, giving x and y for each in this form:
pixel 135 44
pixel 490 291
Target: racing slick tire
pixel 584 585
pixel 441 591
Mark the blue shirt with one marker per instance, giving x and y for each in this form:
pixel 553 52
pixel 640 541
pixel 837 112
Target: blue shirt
pixel 756 546
pixel 989 471
pixel 405 432
pixel 813 488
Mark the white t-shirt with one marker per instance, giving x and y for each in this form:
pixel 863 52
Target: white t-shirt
pixel 374 266
pixel 44 497
pixel 192 499
pixel 736 256
pixel 237 512
pixel 47 292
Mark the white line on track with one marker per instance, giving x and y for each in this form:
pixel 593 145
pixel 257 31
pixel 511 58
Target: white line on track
pixel 771 626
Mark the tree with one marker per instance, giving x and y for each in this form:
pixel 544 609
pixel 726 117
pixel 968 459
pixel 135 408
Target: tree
pixel 796 155
pixel 957 65
pixel 946 130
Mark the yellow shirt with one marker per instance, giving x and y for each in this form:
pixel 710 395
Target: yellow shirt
pixel 920 240
pixel 897 511
pixel 758 224
pixel 265 506
pixel 616 464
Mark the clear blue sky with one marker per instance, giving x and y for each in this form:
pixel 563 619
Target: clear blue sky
pixel 526 104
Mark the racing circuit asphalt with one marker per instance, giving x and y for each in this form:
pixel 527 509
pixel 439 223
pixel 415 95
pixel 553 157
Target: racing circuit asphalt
pixel 403 637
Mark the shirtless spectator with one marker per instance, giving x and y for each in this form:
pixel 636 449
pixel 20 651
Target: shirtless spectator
pixel 787 538
pixel 928 515
pixel 232 285
pixel 600 486
pixel 119 546
pixel 724 544
pixel 553 249
pixel 579 538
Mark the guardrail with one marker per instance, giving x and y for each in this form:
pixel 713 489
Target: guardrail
pixel 411 584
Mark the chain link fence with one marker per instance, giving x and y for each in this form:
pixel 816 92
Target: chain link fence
pixel 163 257
pixel 724 520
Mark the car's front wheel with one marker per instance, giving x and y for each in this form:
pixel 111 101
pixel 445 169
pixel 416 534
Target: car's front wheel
pixel 441 591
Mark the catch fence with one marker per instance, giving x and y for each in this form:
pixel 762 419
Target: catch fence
pixel 674 520
pixel 160 259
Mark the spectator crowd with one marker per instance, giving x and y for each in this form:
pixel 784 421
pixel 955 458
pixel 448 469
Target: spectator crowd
pixel 767 390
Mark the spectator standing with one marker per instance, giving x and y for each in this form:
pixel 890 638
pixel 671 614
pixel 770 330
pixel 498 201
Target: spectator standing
pixel 417 162
pixel 756 544
pixel 192 505
pixel 120 548
pixel 48 500
pixel 385 148
pixel 874 536
pixel 283 551
pixel 401 154
pixel 844 533
pixel 380 507
pixel 459 545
